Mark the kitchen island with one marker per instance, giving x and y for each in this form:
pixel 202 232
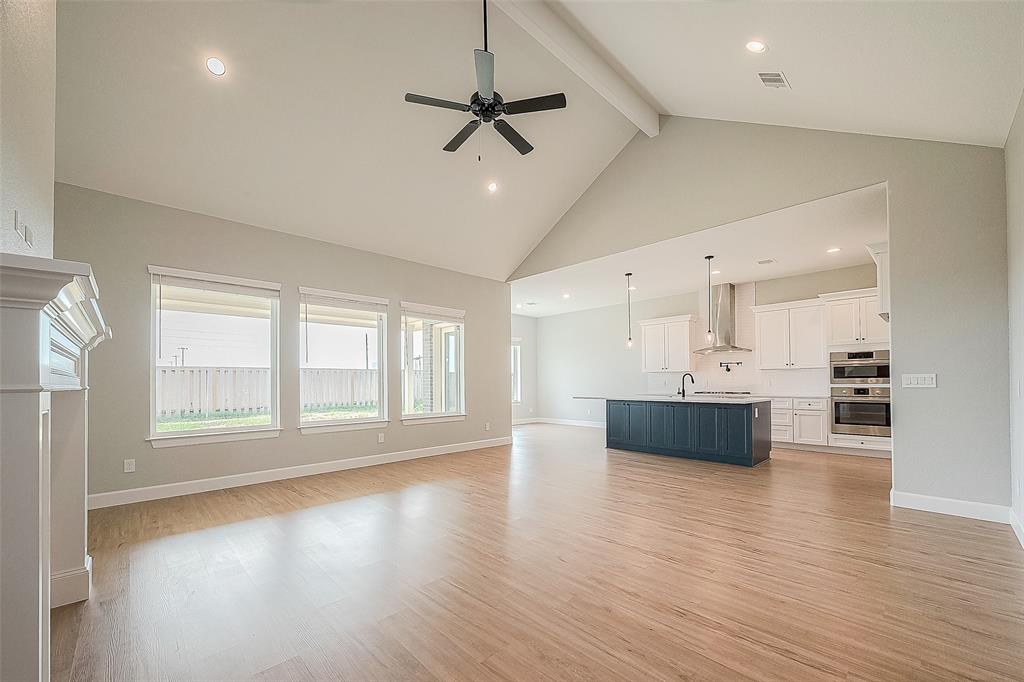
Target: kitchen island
pixel 727 430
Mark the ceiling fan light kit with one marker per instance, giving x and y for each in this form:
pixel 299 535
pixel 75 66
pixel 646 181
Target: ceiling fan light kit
pixel 487 106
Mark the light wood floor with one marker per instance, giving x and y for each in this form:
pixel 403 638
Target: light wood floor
pixel 549 560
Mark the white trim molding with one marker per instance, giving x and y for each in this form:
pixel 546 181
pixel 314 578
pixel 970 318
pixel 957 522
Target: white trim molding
pixel 159 492
pixel 432 418
pixel 947 505
pixel 335 427
pixel 1017 524
pixel 193 438
pixel 71 586
pixel 213 277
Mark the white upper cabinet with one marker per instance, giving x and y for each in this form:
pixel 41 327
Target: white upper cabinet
pixel 677 346
pixel 665 344
pixel 852 319
pixel 843 322
pixel 873 328
pixel 807 337
pixel 790 336
pixel 772 332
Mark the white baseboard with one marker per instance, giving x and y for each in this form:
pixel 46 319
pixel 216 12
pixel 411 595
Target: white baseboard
pixel 563 422
pixel 1018 527
pixel 70 586
pixel 528 420
pixel 157 492
pixel 946 505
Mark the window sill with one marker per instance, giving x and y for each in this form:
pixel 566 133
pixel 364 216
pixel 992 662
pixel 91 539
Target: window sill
pixel 332 427
pixel 179 440
pixel 432 418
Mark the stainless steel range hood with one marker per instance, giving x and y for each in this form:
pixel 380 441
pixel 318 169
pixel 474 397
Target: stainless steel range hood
pixel 723 322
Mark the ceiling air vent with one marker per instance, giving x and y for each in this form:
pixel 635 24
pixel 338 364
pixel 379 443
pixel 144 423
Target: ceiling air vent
pixel 767 261
pixel 773 79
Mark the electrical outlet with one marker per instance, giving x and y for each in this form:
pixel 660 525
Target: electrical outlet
pixel 487 426
pixel 380 437
pixel 129 466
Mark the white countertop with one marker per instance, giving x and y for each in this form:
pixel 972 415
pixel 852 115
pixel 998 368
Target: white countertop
pixel 672 398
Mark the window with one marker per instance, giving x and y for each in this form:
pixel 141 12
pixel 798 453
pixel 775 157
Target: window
pixel 341 358
pixel 432 369
pixel 517 376
pixel 214 354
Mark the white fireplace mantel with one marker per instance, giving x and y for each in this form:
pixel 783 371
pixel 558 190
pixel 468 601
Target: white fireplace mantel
pixel 49 320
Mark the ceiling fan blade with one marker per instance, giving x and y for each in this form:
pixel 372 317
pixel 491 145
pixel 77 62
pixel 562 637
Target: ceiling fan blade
pixel 484 73
pixel 543 103
pixel 513 137
pixel 462 135
pixel 434 102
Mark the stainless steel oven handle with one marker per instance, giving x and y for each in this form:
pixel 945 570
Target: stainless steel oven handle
pixel 860 363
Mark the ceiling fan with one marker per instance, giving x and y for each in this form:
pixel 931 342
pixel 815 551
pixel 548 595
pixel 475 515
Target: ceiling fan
pixel 487 106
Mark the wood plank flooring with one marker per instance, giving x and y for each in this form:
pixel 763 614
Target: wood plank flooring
pixel 552 559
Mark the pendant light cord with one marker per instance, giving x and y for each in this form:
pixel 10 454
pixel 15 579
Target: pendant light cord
pixel 709 298
pixel 629 310
pixel 485 25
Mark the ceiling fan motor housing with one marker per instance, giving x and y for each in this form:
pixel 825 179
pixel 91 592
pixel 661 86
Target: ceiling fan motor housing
pixel 485 110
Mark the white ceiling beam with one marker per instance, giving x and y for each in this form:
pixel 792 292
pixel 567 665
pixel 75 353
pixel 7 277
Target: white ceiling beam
pixel 551 31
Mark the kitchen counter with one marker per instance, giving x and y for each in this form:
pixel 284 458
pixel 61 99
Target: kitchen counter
pixel 714 429
pixel 673 398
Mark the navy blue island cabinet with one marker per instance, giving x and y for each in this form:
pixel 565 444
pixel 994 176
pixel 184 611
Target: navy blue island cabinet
pixel 716 432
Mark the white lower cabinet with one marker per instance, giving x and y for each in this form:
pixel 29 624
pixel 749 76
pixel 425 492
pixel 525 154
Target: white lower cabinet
pixel 782 434
pixel 810 427
pixel 842 440
pixel 800 420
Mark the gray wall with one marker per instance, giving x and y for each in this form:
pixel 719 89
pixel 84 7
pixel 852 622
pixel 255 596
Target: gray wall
pixel 28 73
pixel 525 329
pixel 1015 249
pixel 585 353
pixel 121 236
pixel 801 287
pixel 947 241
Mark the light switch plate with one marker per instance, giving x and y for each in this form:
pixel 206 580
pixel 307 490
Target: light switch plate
pixel 918 381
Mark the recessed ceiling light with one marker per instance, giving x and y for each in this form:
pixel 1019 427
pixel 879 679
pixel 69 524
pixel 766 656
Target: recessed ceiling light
pixel 716 272
pixel 757 47
pixel 519 305
pixel 215 66
pixel 834 249
pixel 492 188
pixel 565 295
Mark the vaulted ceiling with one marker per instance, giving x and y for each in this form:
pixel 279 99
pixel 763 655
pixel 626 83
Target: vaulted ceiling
pixel 949 71
pixel 307 132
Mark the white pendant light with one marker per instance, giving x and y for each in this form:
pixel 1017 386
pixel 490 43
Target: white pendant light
pixel 629 312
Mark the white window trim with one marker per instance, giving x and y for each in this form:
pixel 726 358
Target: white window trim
pixel 341 299
pixel 518 343
pixel 211 277
pixel 174 440
pixel 432 418
pixel 336 426
pixel 438 314
pixel 200 436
